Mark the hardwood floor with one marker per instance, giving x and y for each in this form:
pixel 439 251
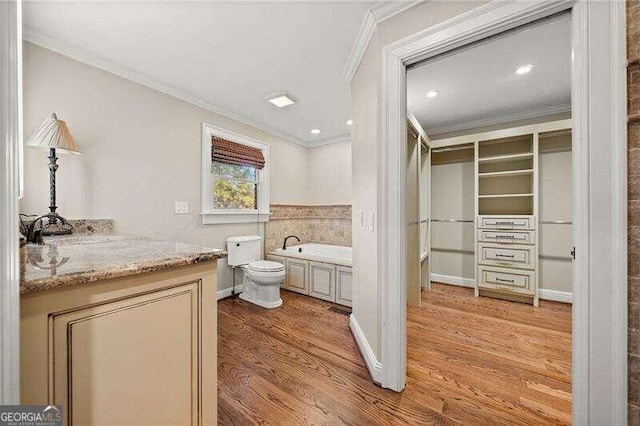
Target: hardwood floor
pixel 470 361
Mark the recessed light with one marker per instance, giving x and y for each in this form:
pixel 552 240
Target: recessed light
pixel 281 99
pixel 349 122
pixel 524 69
pixel 432 94
pixel 315 131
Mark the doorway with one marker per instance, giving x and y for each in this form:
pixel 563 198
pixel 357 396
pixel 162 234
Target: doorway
pixel 495 116
pixel 599 332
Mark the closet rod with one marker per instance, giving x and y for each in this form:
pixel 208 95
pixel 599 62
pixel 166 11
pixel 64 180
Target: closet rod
pixel 552 150
pixel 453 148
pixel 557 222
pixel 452 220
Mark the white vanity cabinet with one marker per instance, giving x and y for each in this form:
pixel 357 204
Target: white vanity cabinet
pixel 322 281
pixel 297 275
pixel 344 286
pixel 326 281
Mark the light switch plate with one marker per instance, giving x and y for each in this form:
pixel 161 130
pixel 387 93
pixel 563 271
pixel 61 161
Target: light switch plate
pixel 182 207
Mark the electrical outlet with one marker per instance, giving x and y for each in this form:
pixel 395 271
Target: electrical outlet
pixel 182 207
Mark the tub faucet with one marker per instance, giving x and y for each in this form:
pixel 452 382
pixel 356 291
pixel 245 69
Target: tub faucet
pixel 284 245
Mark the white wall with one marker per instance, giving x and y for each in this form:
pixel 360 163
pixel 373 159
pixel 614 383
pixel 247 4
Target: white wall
pixel 366 108
pixel 329 179
pixel 141 153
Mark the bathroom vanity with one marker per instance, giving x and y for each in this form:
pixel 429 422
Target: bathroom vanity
pixel 120 330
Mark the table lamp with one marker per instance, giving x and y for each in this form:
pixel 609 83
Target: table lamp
pixel 55 135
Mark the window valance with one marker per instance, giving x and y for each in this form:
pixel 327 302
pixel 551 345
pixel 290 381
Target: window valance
pixel 229 152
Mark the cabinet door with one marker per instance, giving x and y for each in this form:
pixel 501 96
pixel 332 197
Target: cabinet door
pixel 130 361
pixel 344 279
pixel 297 276
pixel 283 260
pixel 322 281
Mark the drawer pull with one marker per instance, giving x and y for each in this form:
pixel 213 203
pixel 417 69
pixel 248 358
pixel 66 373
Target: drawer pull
pixel 510 256
pixel 506 237
pixel 504 281
pixel 505 223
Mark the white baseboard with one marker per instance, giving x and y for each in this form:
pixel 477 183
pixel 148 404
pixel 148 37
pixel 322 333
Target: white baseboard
pixel 373 365
pixel 226 292
pixel 544 294
pixel 555 295
pixel 453 280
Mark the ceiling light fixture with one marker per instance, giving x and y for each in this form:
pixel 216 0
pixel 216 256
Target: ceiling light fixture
pixel 432 94
pixel 315 131
pixel 524 69
pixel 281 99
pixel 349 122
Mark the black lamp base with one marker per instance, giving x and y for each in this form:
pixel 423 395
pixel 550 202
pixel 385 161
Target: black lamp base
pixel 55 225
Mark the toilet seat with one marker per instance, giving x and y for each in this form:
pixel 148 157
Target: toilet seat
pixel 265 266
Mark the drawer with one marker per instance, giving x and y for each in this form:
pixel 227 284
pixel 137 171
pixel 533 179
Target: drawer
pixel 506 237
pixel 511 256
pixel 506 222
pixel 503 279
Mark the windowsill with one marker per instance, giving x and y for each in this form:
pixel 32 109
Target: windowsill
pixel 221 217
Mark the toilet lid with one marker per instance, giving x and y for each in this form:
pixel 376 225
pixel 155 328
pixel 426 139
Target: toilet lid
pixel 266 266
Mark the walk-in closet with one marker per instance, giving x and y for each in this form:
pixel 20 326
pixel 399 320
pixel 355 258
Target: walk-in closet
pixel 489 222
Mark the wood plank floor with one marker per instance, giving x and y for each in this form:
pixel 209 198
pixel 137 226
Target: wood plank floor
pixel 470 361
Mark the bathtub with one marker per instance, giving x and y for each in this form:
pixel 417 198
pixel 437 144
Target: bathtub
pixel 322 271
pixel 338 255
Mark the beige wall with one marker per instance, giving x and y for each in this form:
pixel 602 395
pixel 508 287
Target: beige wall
pixel 366 107
pixel 141 153
pixel 329 179
pixel 452 197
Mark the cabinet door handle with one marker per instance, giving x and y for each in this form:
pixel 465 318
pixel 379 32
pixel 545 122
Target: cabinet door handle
pixel 504 281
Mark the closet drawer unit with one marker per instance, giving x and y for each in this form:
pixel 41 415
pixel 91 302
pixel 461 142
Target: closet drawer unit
pixel 506 237
pixel 500 222
pixel 503 279
pixel 509 256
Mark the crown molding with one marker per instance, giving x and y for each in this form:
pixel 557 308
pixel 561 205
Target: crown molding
pixel 330 141
pixel 72 51
pixel 373 16
pixel 502 119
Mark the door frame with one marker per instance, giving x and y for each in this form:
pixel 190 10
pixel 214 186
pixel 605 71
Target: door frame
pixel 600 191
pixel 10 191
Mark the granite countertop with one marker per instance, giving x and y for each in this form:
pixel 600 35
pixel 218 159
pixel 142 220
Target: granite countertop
pixel 83 258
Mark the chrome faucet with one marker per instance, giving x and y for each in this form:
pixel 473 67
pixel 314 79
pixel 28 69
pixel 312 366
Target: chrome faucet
pixel 284 245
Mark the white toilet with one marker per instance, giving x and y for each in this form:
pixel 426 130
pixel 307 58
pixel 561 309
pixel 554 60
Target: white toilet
pixel 261 282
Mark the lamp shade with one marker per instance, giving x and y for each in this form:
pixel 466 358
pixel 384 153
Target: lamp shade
pixel 53 133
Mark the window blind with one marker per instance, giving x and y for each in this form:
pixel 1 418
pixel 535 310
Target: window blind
pixel 229 152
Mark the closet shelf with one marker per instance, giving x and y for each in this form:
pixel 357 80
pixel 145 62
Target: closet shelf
pixel 510 157
pixel 506 173
pixel 505 195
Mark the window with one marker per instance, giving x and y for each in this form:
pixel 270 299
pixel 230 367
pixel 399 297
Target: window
pixel 234 186
pixel 234 177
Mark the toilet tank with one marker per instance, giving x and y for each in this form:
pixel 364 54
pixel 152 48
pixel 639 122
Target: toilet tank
pixel 244 249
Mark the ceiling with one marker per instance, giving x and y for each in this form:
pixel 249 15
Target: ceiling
pixel 478 85
pixel 224 56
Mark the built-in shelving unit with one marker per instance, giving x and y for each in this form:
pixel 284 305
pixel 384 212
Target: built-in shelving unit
pixel 506 206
